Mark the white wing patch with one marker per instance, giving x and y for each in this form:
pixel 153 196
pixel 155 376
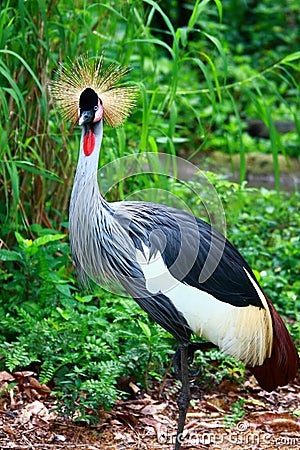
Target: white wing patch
pixel 245 333
pixel 157 276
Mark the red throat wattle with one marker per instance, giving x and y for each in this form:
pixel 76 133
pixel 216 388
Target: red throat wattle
pixel 89 142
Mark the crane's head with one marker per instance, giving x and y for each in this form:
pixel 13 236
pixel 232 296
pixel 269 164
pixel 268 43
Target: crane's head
pixel 90 107
pixel 86 94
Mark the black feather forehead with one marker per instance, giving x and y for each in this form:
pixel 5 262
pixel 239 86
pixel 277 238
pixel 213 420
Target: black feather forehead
pixel 74 77
pixel 88 99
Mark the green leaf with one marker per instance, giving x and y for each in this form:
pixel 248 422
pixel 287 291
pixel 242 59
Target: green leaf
pixel 43 240
pixel 30 167
pixel 64 289
pixel 145 328
pixel 26 244
pixel 292 57
pixel 257 274
pixel 10 255
pixel 85 299
pixel 64 314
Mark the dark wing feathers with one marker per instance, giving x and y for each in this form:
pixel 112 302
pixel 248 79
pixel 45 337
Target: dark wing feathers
pixel 195 253
pixel 187 244
pixel 199 256
pixel 162 311
pixel 229 281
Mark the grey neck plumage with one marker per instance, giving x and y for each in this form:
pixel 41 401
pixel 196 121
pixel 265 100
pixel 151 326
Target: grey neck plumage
pixel 85 182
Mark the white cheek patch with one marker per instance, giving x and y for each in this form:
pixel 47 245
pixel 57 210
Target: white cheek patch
pixel 99 112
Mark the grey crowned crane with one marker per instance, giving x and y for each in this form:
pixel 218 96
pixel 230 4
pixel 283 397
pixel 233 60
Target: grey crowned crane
pixel 183 273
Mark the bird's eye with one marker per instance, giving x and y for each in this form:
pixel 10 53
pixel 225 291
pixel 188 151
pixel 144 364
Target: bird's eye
pixel 95 108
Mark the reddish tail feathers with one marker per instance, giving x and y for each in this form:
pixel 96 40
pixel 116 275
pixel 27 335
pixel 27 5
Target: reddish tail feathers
pixel 283 364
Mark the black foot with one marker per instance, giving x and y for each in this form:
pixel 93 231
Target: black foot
pixel 181 367
pixel 183 356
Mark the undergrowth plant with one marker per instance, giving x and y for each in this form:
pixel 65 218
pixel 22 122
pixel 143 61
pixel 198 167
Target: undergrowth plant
pixel 84 343
pixel 204 68
pixel 200 79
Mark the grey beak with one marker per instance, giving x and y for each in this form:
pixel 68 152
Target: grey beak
pixel 86 117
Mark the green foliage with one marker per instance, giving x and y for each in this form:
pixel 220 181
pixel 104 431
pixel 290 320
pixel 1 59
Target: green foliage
pixel 84 343
pixel 212 367
pixel 237 413
pixel 36 273
pixel 203 68
pixel 272 222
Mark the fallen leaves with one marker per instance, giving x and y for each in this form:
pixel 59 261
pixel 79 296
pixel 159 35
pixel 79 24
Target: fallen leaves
pixel 274 422
pixel 37 413
pixel 5 377
pixel 216 404
pixel 20 386
pixel 153 409
pixel 144 422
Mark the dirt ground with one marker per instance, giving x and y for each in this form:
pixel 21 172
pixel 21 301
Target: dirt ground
pixel 148 421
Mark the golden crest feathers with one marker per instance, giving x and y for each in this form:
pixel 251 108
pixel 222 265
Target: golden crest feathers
pixel 118 100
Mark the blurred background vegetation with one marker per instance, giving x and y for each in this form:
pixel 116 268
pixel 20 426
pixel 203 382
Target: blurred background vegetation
pixel 219 85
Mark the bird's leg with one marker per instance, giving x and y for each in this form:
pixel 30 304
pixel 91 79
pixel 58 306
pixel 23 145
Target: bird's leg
pixel 181 370
pixel 183 356
pixel 177 363
pixel 194 346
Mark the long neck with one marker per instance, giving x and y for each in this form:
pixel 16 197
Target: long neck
pixel 85 182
